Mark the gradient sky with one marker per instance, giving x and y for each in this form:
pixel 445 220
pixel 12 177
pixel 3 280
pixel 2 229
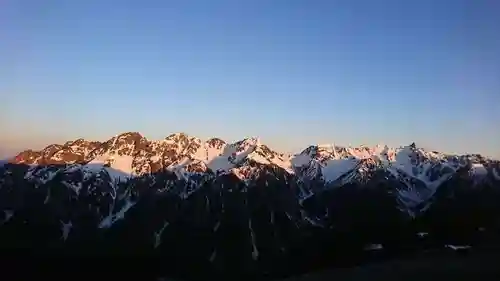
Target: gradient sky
pixel 292 72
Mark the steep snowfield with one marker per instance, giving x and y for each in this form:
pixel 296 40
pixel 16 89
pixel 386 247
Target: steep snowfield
pixel 118 167
pixel 335 168
pixel 247 149
pixel 479 169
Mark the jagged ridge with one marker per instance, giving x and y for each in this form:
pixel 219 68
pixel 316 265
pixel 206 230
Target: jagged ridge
pixel 130 154
pixel 242 205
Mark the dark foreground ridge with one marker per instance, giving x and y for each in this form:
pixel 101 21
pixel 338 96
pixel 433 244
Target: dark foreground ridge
pixel 228 228
pixel 474 266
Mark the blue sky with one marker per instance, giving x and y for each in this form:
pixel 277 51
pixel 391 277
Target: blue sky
pixel 292 72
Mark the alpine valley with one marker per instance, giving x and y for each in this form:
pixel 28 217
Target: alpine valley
pixel 210 209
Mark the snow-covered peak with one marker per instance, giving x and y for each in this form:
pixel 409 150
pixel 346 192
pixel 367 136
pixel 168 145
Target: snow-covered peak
pixel 320 152
pixel 246 144
pixel 122 144
pixel 239 156
pixel 420 164
pixel 331 162
pixel 133 154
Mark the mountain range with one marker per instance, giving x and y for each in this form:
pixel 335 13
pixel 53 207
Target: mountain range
pixel 211 208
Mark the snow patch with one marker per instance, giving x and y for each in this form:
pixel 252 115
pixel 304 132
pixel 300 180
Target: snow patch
pixel 255 252
pixel 478 170
pixel 159 233
pixel 458 247
pixel 422 234
pixel 496 174
pixel 213 256
pixel 109 220
pixel 65 229
pixel 118 168
pixel 335 168
pixel 216 226
pixel 374 247
pixel 300 160
pixel 8 215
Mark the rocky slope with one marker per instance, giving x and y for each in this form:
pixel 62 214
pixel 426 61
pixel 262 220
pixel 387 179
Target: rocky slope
pixel 241 209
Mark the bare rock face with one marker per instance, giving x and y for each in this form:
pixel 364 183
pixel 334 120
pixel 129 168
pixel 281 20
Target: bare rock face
pixel 216 143
pixel 27 157
pixel 77 151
